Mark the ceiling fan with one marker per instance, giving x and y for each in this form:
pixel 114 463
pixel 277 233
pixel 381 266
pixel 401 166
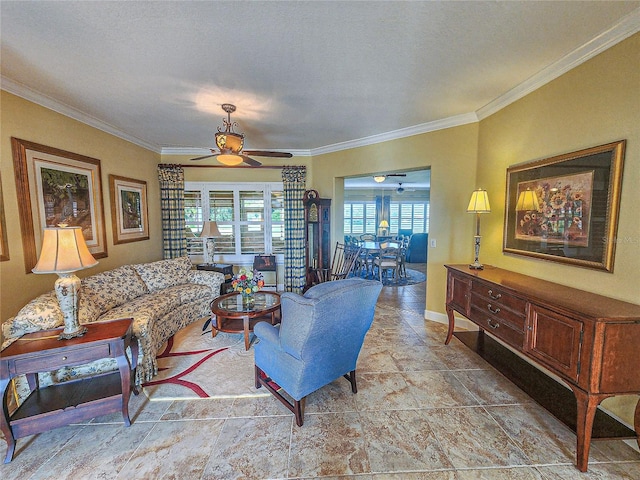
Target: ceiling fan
pixel 382 178
pixel 230 145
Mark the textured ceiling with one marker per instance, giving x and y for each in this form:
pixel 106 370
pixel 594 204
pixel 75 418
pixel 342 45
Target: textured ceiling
pixel 304 75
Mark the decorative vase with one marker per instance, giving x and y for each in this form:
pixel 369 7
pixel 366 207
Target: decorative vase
pixel 248 299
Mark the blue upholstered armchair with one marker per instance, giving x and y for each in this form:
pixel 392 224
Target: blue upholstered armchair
pixel 317 341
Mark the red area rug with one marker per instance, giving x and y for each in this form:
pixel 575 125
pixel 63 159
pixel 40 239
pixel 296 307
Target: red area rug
pixel 193 365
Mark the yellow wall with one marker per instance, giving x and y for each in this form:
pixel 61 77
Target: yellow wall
pixel 28 121
pixel 593 104
pixel 451 154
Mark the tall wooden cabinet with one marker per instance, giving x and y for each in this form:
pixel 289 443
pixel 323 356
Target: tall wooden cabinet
pixel 317 220
pixel 590 341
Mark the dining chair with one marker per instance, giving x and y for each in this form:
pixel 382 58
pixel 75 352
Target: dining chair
pixel 342 263
pixel 387 260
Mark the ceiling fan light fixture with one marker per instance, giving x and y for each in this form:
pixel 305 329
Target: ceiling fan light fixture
pixel 229 159
pixel 230 141
pixel 400 189
pixel 379 178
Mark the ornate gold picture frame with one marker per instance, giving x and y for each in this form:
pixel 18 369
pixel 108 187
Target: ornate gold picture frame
pixel 565 208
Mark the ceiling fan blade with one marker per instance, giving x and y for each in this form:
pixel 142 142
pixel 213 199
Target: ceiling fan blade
pixel 202 158
pixel 264 153
pixel 250 161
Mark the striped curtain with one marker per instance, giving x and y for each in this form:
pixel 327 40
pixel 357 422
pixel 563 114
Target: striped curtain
pixel 294 180
pixel 174 242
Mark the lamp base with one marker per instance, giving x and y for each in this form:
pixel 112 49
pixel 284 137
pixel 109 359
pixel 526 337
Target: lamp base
pixel 476 266
pixel 66 288
pixel 64 335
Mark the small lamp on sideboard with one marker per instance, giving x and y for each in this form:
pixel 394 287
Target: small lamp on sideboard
pixel 478 204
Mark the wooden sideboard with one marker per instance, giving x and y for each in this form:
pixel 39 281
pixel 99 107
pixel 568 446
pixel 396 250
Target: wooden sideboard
pixel 590 341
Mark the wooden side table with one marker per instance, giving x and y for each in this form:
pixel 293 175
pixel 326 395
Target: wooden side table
pixel 224 268
pixel 74 401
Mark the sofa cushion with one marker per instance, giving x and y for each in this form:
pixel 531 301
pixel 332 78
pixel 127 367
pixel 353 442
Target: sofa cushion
pixel 189 292
pixel 113 288
pixel 164 273
pixel 43 313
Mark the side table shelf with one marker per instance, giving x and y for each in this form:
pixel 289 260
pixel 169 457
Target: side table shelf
pixel 74 401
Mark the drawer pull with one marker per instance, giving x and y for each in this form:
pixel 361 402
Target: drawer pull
pixel 492 325
pixel 490 308
pixel 64 358
pixel 494 297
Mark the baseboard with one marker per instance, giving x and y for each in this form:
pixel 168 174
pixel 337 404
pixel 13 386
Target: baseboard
pixel 461 322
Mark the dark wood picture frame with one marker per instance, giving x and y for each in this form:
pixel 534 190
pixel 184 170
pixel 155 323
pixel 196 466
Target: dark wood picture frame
pixel 129 209
pixel 55 186
pixel 4 243
pixel 575 220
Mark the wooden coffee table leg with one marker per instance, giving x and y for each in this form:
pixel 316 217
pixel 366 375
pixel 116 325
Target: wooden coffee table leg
pixel 245 324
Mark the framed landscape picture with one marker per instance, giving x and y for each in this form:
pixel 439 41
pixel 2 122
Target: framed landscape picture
pixel 565 208
pixel 128 209
pixel 57 187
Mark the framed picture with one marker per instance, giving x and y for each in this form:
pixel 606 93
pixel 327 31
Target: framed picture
pixel 57 187
pixel 4 244
pixel 565 208
pixel 128 209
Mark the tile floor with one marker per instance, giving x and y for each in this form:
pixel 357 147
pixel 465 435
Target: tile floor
pixel 423 411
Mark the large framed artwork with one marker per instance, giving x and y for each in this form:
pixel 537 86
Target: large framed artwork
pixel 565 208
pixel 128 209
pixel 57 187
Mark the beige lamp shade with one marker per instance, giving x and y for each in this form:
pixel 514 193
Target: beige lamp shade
pixel 527 200
pixel 64 250
pixel 384 224
pixel 210 229
pixel 479 202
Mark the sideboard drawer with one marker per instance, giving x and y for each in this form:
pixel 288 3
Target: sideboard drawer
pixel 496 326
pixel 498 310
pixel 53 361
pixel 495 294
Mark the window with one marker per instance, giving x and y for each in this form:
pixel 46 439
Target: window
pixel 412 216
pixel 250 218
pixel 360 217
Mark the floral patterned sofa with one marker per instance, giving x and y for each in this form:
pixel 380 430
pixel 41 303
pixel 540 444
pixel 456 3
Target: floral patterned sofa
pixel 162 297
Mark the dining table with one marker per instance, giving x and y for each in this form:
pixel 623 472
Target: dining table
pixel 370 249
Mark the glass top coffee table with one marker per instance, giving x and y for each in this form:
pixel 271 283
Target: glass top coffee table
pixel 232 316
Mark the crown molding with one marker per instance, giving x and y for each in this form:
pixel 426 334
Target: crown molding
pixel 449 122
pixel 628 26
pixel 38 98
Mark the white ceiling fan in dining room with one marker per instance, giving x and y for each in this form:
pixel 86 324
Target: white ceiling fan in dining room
pixel 231 145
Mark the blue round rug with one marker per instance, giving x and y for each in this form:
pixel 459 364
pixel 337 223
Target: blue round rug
pixel 413 277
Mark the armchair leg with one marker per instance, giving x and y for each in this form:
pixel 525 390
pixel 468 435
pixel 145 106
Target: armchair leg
pixel 351 376
pixel 297 407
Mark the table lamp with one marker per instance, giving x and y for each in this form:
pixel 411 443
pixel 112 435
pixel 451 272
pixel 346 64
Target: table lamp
pixel 64 251
pixel 383 226
pixel 478 204
pixel 210 230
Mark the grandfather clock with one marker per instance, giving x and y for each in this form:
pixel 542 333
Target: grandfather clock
pixel 317 219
